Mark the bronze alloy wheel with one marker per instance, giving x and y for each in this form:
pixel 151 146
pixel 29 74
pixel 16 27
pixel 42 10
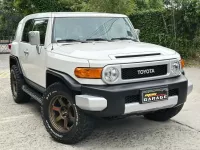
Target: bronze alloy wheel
pixel 62 114
pixel 14 84
pixel 65 122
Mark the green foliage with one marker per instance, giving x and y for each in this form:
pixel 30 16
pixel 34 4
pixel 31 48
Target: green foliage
pixel 142 5
pixel 33 6
pixel 111 6
pixel 178 29
pixel 171 23
pixel 9 17
pixel 73 5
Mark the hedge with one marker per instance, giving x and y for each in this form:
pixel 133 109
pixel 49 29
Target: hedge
pixel 173 29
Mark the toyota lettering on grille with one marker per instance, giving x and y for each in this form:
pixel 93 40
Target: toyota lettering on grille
pixel 146 71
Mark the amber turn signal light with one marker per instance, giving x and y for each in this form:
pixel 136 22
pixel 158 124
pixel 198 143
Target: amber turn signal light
pixel 182 63
pixel 89 73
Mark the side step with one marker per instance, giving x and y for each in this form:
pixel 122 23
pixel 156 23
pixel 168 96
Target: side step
pixel 35 95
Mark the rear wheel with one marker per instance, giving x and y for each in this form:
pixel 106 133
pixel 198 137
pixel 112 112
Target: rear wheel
pixel 16 82
pixel 65 122
pixel 164 115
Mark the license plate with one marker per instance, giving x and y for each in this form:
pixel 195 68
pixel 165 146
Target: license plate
pixel 154 95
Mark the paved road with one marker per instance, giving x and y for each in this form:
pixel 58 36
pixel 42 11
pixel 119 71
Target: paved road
pixel 21 126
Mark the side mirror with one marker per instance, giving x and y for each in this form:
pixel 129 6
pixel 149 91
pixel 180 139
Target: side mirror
pixel 34 37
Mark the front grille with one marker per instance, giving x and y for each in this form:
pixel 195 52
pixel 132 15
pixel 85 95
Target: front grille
pixel 132 73
pixel 136 98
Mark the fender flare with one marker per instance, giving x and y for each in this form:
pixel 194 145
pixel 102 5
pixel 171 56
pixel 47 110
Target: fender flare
pixel 68 80
pixel 15 58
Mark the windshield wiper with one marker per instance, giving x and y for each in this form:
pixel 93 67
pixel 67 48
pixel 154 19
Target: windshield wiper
pixel 71 40
pixel 97 39
pixel 124 38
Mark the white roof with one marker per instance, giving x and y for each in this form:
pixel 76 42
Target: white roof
pixel 72 14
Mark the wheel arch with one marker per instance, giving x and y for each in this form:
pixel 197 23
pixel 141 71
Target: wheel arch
pixel 13 60
pixel 53 76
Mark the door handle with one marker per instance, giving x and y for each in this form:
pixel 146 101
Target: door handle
pixel 26 52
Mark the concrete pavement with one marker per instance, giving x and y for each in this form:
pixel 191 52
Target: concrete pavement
pixel 21 126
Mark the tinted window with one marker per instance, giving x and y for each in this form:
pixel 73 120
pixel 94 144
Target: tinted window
pixel 41 25
pixel 28 27
pixel 35 25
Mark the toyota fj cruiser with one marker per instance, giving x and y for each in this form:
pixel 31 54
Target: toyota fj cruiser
pixel 84 65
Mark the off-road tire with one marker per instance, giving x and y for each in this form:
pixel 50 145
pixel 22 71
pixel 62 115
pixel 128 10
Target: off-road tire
pixel 163 115
pixel 20 96
pixel 84 124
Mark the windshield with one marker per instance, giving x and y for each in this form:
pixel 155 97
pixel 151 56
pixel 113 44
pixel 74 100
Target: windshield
pixel 92 29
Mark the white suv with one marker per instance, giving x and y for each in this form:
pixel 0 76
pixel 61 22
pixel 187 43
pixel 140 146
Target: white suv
pixel 84 65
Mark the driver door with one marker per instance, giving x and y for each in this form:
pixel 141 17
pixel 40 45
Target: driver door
pixel 33 61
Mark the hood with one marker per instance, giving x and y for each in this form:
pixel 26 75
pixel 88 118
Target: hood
pixel 112 50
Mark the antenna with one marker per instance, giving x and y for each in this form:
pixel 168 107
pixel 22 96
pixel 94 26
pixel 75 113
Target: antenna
pixel 52 24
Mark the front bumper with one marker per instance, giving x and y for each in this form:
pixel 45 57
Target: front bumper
pixel 106 101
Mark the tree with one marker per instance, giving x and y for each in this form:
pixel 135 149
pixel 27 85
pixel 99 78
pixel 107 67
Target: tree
pixel 34 6
pixel 156 4
pixel 111 6
pixel 143 5
pixel 9 17
pixel 73 5
pixel 179 4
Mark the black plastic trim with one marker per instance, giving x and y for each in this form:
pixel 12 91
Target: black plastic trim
pixel 115 94
pixel 69 81
pixel 33 93
pixel 35 85
pixel 128 56
pixel 17 61
pixel 183 72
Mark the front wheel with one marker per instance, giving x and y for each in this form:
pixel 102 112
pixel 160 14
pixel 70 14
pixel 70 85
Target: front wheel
pixel 64 121
pixel 164 114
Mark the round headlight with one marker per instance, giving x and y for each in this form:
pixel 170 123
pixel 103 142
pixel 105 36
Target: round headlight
pixel 176 68
pixel 110 74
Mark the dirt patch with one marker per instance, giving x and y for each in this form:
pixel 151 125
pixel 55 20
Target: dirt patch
pixel 193 62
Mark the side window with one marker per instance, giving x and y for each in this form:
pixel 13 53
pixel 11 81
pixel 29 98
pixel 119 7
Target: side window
pixel 28 27
pixel 41 25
